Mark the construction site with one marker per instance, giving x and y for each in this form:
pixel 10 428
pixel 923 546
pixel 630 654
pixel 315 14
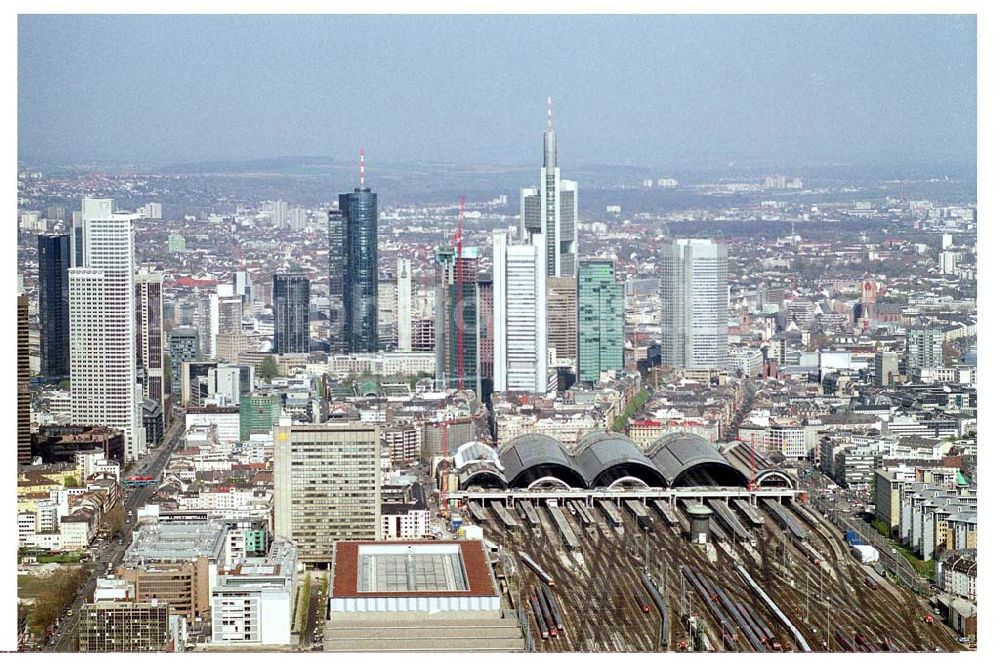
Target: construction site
pixel 743 571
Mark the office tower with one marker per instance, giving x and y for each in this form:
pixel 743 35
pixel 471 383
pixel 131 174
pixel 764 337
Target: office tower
pixel 149 335
pixel 227 383
pixel 290 297
pixel 91 208
pixel 550 211
pixel 600 320
pixel 225 315
pixel 519 315
pixel 258 414
pixel 354 270
pixel 23 380
pixel 486 332
pixel 327 485
pixel 456 324
pixel 560 325
pixel 886 368
pixel 279 213
pixel 176 243
pixel 124 626
pixel 404 305
pixel 104 386
pixel 694 295
pixel 183 344
pixel 387 314
pixel 924 349
pixel 338 276
pixel 243 287
pixel 53 304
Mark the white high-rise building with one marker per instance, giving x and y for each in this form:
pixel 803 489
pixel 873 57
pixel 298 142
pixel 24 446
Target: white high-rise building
pixel 404 305
pixel 550 211
pixel 279 213
pixel 104 386
pixel 519 352
pixel 694 295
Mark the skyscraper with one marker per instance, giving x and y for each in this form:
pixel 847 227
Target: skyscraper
pixel 23 379
pixel 560 309
pixel 550 211
pixel 354 270
pixel 225 315
pixel 694 295
pixel 104 388
pixel 600 321
pixel 183 343
pixel 404 305
pixel 149 335
pixel 519 315
pixel 53 304
pixel 485 286
pixel 456 328
pixel 327 485
pixel 290 299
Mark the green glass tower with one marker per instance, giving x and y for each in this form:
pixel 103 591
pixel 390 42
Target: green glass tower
pixel 258 414
pixel 600 320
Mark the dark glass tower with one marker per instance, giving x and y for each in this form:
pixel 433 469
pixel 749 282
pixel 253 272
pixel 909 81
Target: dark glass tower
pixel 291 313
pixel 53 304
pixel 359 210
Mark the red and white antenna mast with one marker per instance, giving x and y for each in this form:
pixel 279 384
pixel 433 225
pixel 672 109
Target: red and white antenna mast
pixel 361 167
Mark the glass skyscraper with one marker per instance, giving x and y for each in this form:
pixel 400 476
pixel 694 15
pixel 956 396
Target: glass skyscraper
pixel 290 300
pixel 53 304
pixel 354 273
pixel 600 320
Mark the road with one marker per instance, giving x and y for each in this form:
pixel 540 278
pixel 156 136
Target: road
pixel 109 553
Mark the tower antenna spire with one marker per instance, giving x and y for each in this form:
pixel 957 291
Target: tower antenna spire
pixel 361 167
pixel 548 121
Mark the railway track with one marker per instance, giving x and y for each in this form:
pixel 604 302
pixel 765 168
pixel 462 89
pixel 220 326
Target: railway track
pixel 597 598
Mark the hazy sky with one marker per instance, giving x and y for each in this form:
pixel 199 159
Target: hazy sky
pixel 645 90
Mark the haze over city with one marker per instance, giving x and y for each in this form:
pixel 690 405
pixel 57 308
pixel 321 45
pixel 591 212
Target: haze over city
pixel 650 90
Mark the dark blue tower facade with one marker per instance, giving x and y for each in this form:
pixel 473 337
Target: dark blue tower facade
pixel 53 304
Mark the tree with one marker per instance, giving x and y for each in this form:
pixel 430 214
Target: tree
pixel 113 521
pixel 268 369
pixel 71 482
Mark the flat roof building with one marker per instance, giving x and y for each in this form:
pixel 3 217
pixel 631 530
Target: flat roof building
pixel 415 596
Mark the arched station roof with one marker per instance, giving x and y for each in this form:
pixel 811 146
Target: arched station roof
pixel 530 457
pixel 605 457
pixel 689 460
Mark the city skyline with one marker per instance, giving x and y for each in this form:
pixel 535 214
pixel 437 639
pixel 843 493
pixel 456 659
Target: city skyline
pixel 718 404
pixel 797 88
